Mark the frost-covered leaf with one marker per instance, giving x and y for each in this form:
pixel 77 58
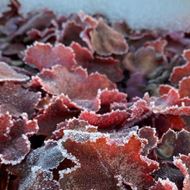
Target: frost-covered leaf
pixel 107 97
pixel 149 134
pixel 40 179
pixel 179 72
pixel 107 120
pixel 143 60
pixel 183 163
pixel 169 171
pixel 72 124
pixel 45 55
pixel 58 110
pixel 164 184
pixel 15 144
pixel 170 103
pixel 17 100
pixel 112 161
pixel 36 171
pixel 14 150
pixel 80 87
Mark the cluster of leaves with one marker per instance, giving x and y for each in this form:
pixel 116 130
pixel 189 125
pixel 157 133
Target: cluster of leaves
pixel 89 104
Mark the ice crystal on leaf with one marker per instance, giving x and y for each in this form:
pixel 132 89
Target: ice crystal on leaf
pixel 110 160
pixel 45 56
pixel 86 103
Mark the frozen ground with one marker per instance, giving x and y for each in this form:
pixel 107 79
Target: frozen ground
pixel 166 14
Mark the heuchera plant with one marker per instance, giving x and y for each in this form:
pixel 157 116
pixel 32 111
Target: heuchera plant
pixel 86 103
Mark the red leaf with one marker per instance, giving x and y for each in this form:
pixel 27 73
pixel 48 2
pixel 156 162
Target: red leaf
pixel 159 45
pixel 170 103
pixel 72 124
pixel 36 171
pixel 164 89
pixel 80 88
pixel 45 55
pixel 112 161
pixel 17 100
pixel 184 89
pixel 58 110
pixel 107 120
pixel 186 54
pixel 107 41
pixel 83 55
pixel 179 72
pixel 71 32
pixel 138 111
pixel 6 124
pixel 46 35
pixel 164 122
pixel 14 151
pixel 183 163
pixel 107 97
pixel 16 145
pixel 149 134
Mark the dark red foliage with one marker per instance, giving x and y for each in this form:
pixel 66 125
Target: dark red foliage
pixel 4 180
pixel 90 104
